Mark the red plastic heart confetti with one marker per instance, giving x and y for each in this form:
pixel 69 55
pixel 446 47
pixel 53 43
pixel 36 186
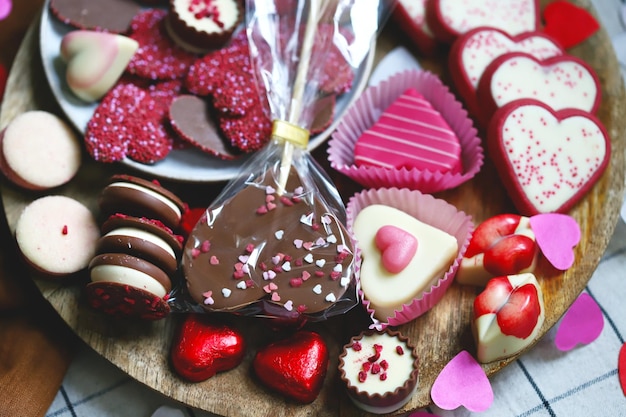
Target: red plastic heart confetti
pixel 462 382
pixel 295 366
pixel 621 367
pixel 582 324
pixel 203 347
pixel 568 23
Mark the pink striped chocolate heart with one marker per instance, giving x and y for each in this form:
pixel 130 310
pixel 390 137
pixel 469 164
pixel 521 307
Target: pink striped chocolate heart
pixel 410 134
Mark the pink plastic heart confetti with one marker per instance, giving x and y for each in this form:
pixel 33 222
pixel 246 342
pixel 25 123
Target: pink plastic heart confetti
pixel 5 8
pixel 556 235
pixel 621 367
pixel 582 324
pixel 462 382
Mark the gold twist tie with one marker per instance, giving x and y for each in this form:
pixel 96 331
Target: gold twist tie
pixel 291 133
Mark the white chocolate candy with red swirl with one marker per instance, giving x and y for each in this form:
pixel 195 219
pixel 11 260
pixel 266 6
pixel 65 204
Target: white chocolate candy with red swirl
pixel 508 315
pixel 95 61
pixel 548 160
pixel 384 235
pixel 501 245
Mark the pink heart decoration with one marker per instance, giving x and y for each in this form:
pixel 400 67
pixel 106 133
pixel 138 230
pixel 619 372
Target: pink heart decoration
pixel 548 160
pixel 397 247
pixel 462 382
pixel 621 367
pixel 582 324
pixel 556 234
pixel 5 8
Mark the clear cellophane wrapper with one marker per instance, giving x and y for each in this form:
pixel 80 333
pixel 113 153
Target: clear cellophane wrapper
pixel 274 243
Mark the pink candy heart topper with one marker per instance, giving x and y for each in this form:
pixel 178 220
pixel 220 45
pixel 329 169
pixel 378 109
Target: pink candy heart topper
pixel 397 247
pixel 462 382
pixel 581 324
pixel 5 8
pixel 556 235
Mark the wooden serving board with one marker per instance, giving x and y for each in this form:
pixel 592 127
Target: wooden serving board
pixel 141 349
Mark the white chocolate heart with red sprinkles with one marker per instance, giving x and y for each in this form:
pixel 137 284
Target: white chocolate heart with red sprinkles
pixel 548 160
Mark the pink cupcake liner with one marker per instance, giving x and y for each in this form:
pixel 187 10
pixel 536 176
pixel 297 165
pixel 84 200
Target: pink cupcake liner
pixel 430 210
pixel 367 109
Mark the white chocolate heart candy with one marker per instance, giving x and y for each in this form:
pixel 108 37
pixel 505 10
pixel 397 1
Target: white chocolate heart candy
pixel 548 160
pixel 387 291
pixel 95 61
pixel 508 315
pixel 501 245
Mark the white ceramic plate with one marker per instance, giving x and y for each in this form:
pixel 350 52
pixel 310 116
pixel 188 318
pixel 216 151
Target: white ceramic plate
pixel 188 164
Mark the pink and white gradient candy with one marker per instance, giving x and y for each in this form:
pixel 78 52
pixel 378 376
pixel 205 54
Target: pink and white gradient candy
pixel 472 52
pixel 410 15
pixel 410 134
pixel 95 61
pixel 449 19
pixel 561 82
pixel 548 160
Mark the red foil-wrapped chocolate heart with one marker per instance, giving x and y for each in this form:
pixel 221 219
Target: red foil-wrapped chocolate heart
pixel 203 347
pixel 295 366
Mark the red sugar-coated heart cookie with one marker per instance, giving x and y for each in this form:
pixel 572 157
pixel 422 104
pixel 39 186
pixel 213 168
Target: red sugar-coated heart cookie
pixel 548 160
pixel 128 122
pixel 568 23
pixel 248 132
pixel 158 57
pixel 203 347
pixel 295 366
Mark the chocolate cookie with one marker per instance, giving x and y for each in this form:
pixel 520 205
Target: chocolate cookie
pixel 109 16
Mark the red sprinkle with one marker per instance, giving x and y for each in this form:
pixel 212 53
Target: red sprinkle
pixel 362 376
pixel 64 230
pixel 399 350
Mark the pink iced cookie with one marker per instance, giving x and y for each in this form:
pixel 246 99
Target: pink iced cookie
pixel 548 160
pixel 501 245
pixel 95 61
pixel 410 134
pixel 508 315
pixel 410 15
pixel 57 235
pixel 472 52
pixel 449 19
pixel 561 82
pixel 39 151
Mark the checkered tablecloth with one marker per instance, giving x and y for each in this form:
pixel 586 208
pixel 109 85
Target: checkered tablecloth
pixel 544 382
